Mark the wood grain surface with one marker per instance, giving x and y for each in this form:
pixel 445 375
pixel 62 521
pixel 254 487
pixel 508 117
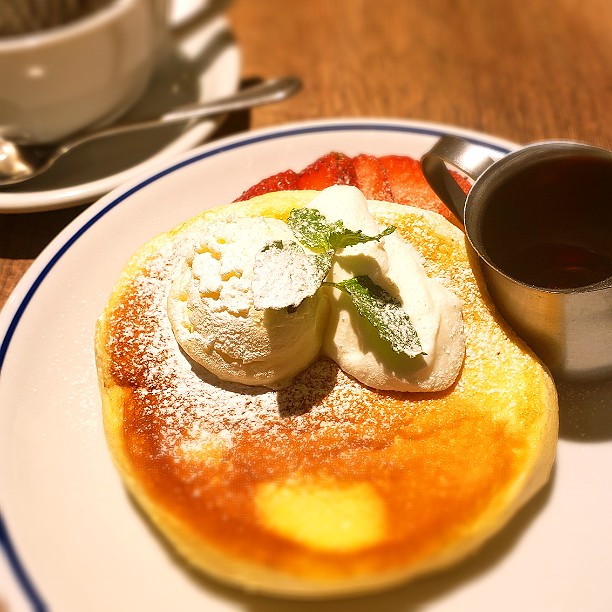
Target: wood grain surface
pixel 520 70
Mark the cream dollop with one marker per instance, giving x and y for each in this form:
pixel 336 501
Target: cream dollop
pixel 435 312
pixel 211 308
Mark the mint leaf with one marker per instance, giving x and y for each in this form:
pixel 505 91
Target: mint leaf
pixel 312 229
pixel 285 274
pixel 344 237
pixel 384 312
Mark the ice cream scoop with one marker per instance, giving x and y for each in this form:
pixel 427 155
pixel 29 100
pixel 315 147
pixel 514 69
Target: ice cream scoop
pixel 210 307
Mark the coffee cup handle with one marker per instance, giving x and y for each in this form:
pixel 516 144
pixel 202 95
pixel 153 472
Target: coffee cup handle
pixel 180 23
pixel 468 158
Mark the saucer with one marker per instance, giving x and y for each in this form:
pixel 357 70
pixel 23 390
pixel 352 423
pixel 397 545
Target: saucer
pixel 200 64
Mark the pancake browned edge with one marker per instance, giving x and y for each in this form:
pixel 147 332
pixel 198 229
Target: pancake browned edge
pixel 328 487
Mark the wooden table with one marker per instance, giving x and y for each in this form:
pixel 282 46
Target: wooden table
pixel 520 70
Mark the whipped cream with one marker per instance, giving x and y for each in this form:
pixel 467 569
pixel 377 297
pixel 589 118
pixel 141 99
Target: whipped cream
pixel 392 263
pixel 211 308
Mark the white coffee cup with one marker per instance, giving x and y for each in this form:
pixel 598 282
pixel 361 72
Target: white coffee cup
pixel 57 81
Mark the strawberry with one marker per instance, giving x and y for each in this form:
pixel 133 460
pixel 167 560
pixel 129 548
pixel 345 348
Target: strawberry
pixel 331 169
pixel 394 178
pixel 372 178
pixel 409 185
pixel 283 181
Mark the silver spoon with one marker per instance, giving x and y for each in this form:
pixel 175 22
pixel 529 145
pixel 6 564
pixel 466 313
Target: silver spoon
pixel 21 162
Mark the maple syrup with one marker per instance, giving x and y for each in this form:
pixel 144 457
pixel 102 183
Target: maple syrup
pixel 550 225
pixel 560 266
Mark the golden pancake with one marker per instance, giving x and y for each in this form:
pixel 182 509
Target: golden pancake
pixel 326 487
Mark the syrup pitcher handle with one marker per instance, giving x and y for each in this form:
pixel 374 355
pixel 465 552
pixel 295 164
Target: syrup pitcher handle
pixel 468 158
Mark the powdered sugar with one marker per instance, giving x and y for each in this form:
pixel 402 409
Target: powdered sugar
pixel 191 407
pixel 285 275
pixel 215 320
pixel 192 414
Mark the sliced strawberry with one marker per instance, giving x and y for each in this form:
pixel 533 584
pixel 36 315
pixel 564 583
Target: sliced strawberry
pixel 409 185
pixel 331 169
pixel 372 178
pixel 394 178
pixel 283 181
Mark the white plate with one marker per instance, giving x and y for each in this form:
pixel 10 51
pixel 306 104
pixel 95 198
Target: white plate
pixel 200 65
pixel 75 541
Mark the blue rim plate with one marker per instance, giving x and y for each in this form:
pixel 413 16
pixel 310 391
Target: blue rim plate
pixel 70 537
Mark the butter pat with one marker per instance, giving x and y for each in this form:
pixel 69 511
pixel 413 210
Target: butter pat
pixel 210 307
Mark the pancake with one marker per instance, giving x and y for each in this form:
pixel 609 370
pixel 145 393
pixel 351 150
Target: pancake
pixel 326 487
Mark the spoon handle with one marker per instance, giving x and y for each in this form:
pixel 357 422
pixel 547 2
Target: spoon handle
pixel 19 163
pixel 273 90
